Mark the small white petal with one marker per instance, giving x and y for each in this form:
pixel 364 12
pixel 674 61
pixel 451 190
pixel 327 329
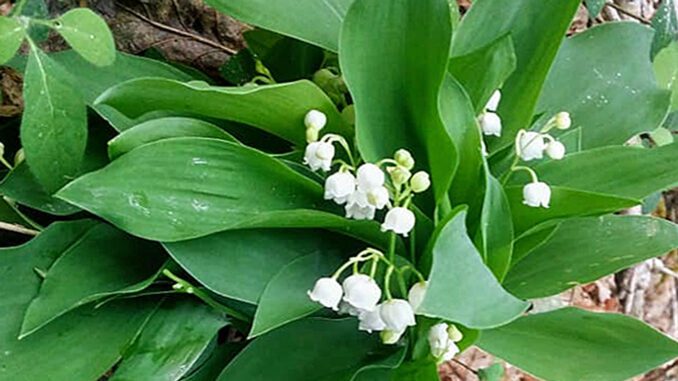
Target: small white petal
pixel 378 197
pixel 490 123
pixel 537 194
pixel 532 146
pixel 340 186
pixel 397 314
pixel 399 220
pixel 315 120
pixel 319 155
pixel 451 351
pixel 493 103
pixel 362 292
pixel 328 292
pixel 370 321
pixel 555 150
pixel 347 309
pixel 417 294
pixel 438 339
pixel 358 208
pixel 370 177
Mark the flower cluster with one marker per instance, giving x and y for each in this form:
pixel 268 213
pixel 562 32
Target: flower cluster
pixel 364 189
pixel 360 295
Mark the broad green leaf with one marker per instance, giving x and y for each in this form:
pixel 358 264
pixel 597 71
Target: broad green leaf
pixel 278 109
pixel 497 60
pixel 584 249
pixel 21 186
pixel 54 123
pixel 496 228
pixel 666 69
pixel 11 37
pixel 306 350
pixel 565 203
pixel 665 25
pixel 458 276
pixel 88 34
pixel 212 366
pixel 595 7
pixel 395 86
pixel 381 369
pixel 425 370
pixel 163 128
pixel 574 345
pixel 537 28
pixel 103 262
pixel 229 263
pixel 171 342
pixel 89 341
pixel 36 9
pixel 181 188
pixel 628 172
pixel 617 77
pixel 316 22
pixel 285 298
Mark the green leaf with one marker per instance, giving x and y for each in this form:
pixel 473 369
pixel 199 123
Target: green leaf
pixel 163 128
pixel 425 370
pixel 395 86
pixel 617 78
pixel 88 34
pixel 458 275
pixel 215 363
pixel 219 178
pixel 285 298
pixel 278 109
pixel 101 263
pixel 565 203
pixel 665 25
pixel 537 29
pixel 573 345
pixel 21 186
pixel 11 36
pixel 584 249
pixel 54 123
pixel 493 372
pixel 240 68
pixel 307 350
pixel 229 263
pixel 316 22
pixel 498 60
pixel 36 9
pixel 629 172
pixel 89 341
pixel 666 70
pixel 171 342
pixel 496 228
pixel 287 58
pixel 595 7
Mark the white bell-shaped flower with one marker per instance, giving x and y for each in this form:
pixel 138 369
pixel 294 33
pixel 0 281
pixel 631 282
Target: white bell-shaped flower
pixel 346 308
pixel 358 208
pixel 493 104
pixel 555 150
pixel 531 145
pixel 400 220
pixel 417 294
pixel 340 186
pixel 536 194
pixel 370 321
pixel 563 120
pixel 328 292
pixel 319 155
pixel 397 314
pixel 370 177
pixel 315 120
pixel 490 123
pixel 389 336
pixel 378 197
pixel 362 292
pixel 451 351
pixel 438 339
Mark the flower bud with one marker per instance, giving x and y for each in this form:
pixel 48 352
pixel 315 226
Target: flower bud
pixel 378 198
pixel 362 292
pixel 389 336
pixel 399 220
pixel 340 186
pixel 563 120
pixel 555 150
pixel 2 149
pixel 490 123
pixel 537 194
pixel 370 177
pixel 397 314
pixel 493 104
pixel 454 333
pixel 420 182
pixel 371 321
pixel 315 120
pixel 19 157
pixel 319 155
pixel 404 158
pixel 417 294
pixel 532 145
pixel 437 339
pixel 399 175
pixel 328 292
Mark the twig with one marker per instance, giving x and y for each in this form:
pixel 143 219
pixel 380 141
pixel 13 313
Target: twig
pixel 180 32
pixel 465 367
pixel 16 228
pixel 627 13
pixel 178 12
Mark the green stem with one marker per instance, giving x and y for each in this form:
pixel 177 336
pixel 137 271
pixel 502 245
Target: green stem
pixel 413 247
pixel 6 163
pixel 391 248
pixel 387 282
